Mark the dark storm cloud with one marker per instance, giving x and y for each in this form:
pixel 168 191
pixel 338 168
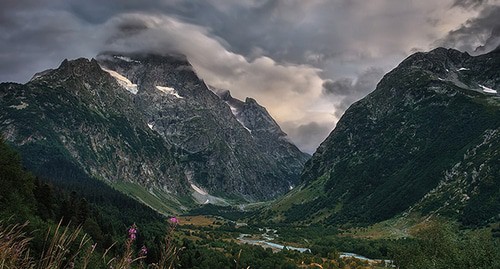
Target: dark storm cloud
pixel 131 26
pixel 477 35
pixel 96 11
pixel 341 86
pixel 290 31
pixel 10 5
pixel 272 25
pixel 288 54
pixel 36 38
pixel 469 3
pixel 126 27
pixel 10 9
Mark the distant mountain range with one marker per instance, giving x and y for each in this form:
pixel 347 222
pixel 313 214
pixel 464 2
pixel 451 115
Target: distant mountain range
pixel 147 125
pixel 425 142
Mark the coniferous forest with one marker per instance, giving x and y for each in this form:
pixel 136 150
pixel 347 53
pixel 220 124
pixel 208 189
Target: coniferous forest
pixel 46 223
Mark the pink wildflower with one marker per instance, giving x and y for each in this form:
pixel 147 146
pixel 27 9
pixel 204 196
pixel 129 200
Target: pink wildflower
pixel 132 231
pixel 173 220
pixel 143 251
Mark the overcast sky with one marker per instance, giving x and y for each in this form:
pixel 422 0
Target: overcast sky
pixel 306 61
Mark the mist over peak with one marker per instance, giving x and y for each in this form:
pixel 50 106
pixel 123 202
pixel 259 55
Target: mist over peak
pixel 285 54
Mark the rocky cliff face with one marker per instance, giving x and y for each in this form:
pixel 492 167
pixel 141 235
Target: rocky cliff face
pixel 264 129
pixel 426 141
pixel 78 115
pixel 147 120
pixel 222 154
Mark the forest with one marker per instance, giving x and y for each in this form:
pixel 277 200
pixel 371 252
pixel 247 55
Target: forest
pixel 72 221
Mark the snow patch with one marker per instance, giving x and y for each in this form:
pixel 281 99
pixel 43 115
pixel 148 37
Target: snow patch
pixel 23 105
pixel 198 189
pixel 246 128
pixel 463 69
pixel 235 112
pixel 126 59
pixel 123 81
pixel 168 90
pixel 487 90
pixel 202 196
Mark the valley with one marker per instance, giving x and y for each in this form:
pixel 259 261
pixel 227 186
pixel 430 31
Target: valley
pixel 267 238
pixel 142 160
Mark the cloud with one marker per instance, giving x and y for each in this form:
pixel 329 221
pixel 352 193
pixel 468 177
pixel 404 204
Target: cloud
pixel 345 91
pixel 479 34
pixel 306 61
pixel 290 92
pixel 307 135
pixel 293 31
pixel 279 87
pixel 341 86
pixel 469 3
pixel 35 41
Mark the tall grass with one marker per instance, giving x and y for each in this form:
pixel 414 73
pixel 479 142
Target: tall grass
pixel 14 247
pixel 58 252
pixel 71 248
pixel 61 248
pixel 170 251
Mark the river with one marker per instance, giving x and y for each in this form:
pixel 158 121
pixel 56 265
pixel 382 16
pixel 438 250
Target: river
pixel 277 247
pixel 264 244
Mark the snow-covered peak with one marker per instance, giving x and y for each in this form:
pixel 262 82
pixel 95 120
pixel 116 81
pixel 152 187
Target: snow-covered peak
pixel 123 81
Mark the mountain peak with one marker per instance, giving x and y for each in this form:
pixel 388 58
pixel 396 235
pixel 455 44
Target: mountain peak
pixel 437 60
pixel 424 141
pixel 78 63
pixel 88 69
pixel 443 67
pixel 250 100
pixel 225 95
pixel 443 51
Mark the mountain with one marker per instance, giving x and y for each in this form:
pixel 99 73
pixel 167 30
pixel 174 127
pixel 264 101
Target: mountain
pixel 425 142
pixel 222 154
pixel 76 119
pixel 264 129
pixel 147 125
